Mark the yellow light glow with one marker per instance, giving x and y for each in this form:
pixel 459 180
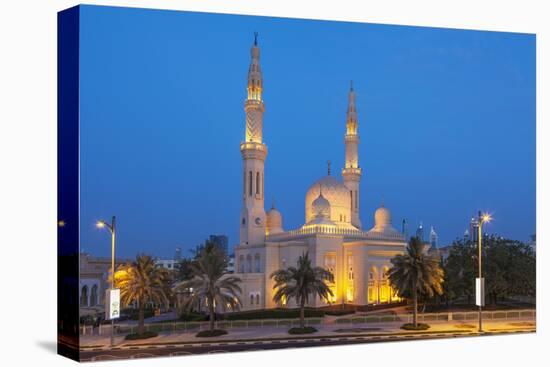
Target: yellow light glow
pixel 61 223
pixel 100 224
pixel 486 217
pixel 349 294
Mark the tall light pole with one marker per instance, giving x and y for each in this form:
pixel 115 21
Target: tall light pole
pixel 482 218
pixel 112 228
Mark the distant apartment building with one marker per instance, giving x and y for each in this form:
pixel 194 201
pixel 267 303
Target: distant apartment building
pixel 169 264
pixel 219 241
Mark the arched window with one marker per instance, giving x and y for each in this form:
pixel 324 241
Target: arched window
pixel 355 199
pixel 258 299
pixel 250 183
pixel 385 272
pixel 248 263
pixel 257 263
pixel 84 296
pixel 257 183
pixel 251 299
pixel 93 296
pixel 241 264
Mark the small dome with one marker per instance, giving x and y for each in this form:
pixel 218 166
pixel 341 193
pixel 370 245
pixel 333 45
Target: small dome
pixel 336 193
pixel 382 217
pixel 274 221
pixel 382 224
pixel 321 207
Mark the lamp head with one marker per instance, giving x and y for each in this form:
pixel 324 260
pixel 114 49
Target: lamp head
pixel 100 224
pixel 486 217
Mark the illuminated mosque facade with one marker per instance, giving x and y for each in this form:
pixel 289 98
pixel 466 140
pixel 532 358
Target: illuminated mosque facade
pixel 332 233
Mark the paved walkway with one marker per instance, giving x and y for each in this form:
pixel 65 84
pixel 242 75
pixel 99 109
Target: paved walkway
pixel 325 330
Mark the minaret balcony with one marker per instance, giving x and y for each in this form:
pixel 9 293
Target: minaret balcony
pixel 253 150
pixel 351 172
pixel 254 103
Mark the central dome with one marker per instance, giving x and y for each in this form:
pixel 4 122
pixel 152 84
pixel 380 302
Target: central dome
pixel 336 193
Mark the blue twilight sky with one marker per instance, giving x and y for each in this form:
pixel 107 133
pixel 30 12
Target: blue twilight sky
pixel 446 119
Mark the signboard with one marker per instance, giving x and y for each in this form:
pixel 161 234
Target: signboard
pixel 480 292
pixel 112 304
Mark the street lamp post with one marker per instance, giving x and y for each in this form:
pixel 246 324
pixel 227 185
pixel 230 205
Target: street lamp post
pixel 482 218
pixel 112 228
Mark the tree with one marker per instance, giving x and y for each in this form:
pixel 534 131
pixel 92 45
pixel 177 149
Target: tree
pixel 416 272
pixel 184 270
pixel 302 283
pixel 142 281
pixel 211 284
pixel 460 270
pixel 508 267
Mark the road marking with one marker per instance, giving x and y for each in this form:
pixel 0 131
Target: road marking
pixel 143 355
pixel 181 353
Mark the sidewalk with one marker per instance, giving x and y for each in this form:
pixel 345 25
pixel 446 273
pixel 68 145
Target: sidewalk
pixel 325 330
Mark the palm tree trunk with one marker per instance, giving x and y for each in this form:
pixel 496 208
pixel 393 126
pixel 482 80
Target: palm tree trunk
pixel 415 306
pixel 302 315
pixel 212 314
pixel 141 318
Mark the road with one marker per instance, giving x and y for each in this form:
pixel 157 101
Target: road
pixel 145 351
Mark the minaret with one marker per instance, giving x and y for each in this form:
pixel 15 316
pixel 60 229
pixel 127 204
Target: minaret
pixel 351 171
pixel 253 152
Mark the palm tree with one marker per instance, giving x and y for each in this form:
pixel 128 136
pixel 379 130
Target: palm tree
pixel 416 272
pixel 142 281
pixel 302 283
pixel 211 283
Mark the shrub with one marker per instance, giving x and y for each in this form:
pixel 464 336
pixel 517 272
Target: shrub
pixel 302 330
pixel 145 335
pixel 339 312
pixel 411 326
pixel 87 320
pixel 193 316
pixel 210 333
pixel 133 313
pixel 274 314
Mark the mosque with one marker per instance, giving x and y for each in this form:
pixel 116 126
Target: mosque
pixel 332 233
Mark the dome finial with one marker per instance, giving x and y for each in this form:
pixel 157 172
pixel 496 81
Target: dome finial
pixel 328 166
pixel 382 201
pixel 351 85
pixel 255 38
pixel 273 202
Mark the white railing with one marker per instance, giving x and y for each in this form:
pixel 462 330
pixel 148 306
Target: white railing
pixel 329 230
pixel 182 327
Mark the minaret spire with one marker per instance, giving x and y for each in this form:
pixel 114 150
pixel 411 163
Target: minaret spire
pixel 352 171
pixel 254 106
pixel 253 152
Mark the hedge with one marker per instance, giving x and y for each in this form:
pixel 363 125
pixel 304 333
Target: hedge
pixel 273 314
